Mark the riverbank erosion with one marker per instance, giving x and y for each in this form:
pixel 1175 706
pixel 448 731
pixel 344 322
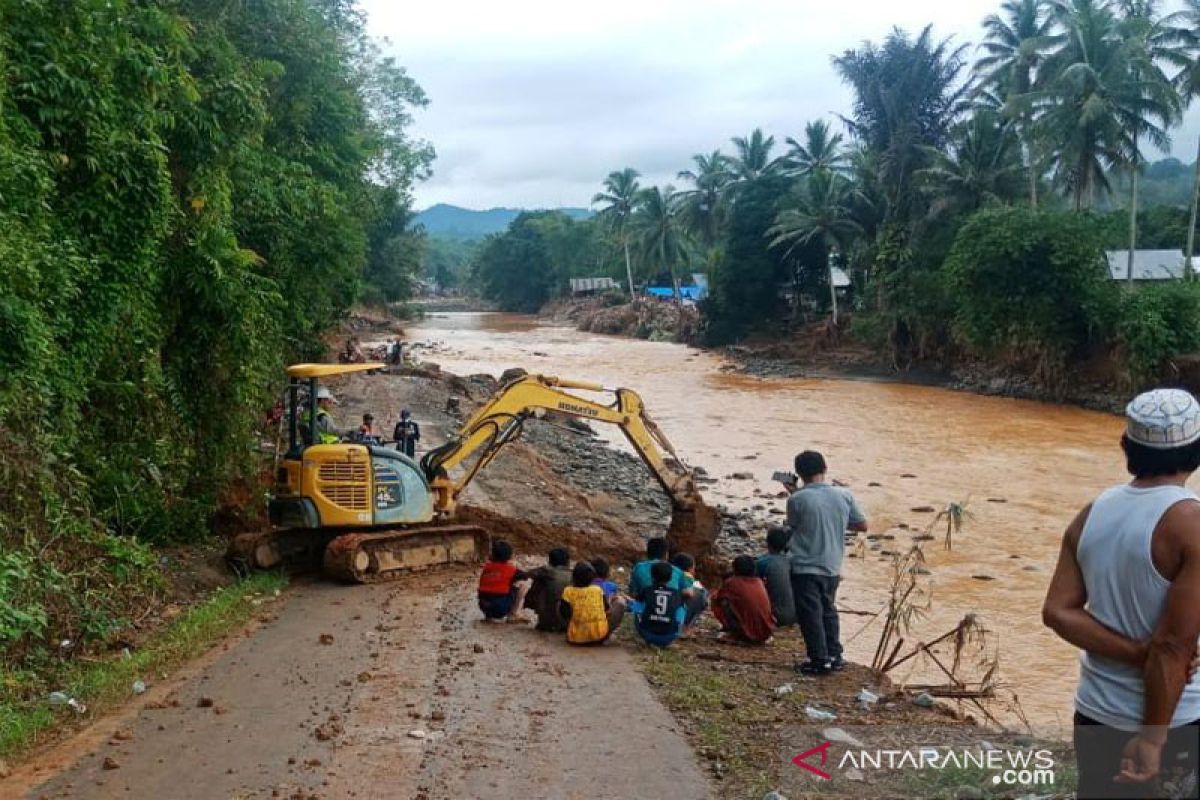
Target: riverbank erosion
pixel 819 349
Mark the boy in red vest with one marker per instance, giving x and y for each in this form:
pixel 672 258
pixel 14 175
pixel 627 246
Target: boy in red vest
pixel 742 606
pixel 502 586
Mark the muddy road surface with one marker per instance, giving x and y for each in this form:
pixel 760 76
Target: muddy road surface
pixel 387 691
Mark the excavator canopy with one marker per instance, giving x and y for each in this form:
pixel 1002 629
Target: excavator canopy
pixel 328 370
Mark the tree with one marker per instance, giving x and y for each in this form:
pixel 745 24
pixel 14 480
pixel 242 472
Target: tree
pixel 821 214
pixel 907 94
pixel 515 269
pixel 982 166
pixel 752 157
pixel 1151 104
pixel 1187 81
pixel 1097 99
pixel 620 199
pixel 659 230
pixel 703 207
pixel 819 209
pixel 820 152
pixel 1014 46
pixel 744 290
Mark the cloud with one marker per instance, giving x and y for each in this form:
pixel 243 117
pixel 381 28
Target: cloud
pixel 534 102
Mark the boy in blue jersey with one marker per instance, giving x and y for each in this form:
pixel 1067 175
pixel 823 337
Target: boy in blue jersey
pixel 659 610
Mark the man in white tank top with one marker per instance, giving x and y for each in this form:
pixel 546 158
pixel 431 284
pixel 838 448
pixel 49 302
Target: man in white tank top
pixel 1126 592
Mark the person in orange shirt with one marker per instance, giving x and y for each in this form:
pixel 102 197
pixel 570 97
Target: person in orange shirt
pixel 502 586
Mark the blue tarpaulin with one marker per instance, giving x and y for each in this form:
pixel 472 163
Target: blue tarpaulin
pixel 686 292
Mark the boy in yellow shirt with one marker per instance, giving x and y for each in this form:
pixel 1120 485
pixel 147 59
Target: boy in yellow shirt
pixel 582 605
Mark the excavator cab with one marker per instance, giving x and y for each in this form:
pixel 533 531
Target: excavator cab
pixel 343 485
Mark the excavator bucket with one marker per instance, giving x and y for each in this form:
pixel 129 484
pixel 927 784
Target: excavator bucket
pixel 694 530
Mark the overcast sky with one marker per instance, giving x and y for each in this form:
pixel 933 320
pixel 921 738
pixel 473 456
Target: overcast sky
pixel 534 102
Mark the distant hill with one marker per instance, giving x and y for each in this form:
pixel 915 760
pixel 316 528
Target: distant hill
pixel 466 223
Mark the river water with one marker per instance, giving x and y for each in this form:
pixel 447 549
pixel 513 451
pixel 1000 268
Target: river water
pixel 1024 468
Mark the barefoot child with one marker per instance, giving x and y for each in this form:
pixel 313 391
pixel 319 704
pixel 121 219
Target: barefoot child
pixel 741 605
pixel 502 586
pixel 589 619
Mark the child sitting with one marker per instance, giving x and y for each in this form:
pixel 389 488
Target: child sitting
pixel 502 586
pixel 742 607
pixel 602 572
pixel 590 620
pixel 776 571
pixel 697 601
pixel 659 609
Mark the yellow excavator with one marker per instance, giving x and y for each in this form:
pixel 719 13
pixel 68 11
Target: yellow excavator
pixel 372 513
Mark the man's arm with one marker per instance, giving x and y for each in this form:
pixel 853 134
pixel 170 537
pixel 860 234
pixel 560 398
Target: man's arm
pixel 1064 612
pixel 858 520
pixel 1171 649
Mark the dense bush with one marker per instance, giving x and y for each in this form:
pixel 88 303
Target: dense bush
pixel 184 204
pixel 1030 286
pixel 1156 324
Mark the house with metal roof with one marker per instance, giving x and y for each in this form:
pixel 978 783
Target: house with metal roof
pixel 1148 265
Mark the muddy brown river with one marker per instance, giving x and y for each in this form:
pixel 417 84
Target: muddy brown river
pixel 1023 467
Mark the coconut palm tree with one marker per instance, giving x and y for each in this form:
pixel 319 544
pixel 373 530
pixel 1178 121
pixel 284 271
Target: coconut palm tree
pixel 752 159
pixel 981 167
pixel 821 151
pixel 620 201
pixel 1014 47
pixel 1187 83
pixel 659 232
pixel 1081 86
pixel 821 211
pixel 703 206
pixel 1151 103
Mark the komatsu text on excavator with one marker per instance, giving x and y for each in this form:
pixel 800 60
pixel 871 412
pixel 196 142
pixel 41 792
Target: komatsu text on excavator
pixel 375 513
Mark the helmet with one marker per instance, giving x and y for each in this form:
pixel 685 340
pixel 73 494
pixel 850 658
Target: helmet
pixel 324 394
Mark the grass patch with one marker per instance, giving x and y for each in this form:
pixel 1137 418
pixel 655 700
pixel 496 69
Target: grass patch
pixel 103 685
pixel 719 709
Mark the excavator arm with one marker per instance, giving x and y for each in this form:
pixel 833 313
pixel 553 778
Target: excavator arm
pixel 500 421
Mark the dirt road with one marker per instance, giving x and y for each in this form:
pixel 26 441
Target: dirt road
pixel 501 711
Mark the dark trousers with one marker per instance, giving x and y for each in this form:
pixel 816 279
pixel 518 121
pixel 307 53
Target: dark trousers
pixel 816 612
pixel 1098 756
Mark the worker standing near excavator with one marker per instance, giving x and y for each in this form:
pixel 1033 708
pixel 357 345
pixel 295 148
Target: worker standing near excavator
pixel 407 434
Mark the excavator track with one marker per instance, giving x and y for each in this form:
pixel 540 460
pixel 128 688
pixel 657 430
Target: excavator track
pixel 387 555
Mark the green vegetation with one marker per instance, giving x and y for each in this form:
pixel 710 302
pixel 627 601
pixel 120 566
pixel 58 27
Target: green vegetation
pixel 970 203
pixel 191 192
pixel 26 715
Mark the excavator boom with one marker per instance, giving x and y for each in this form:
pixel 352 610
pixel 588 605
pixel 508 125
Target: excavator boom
pixel 500 421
